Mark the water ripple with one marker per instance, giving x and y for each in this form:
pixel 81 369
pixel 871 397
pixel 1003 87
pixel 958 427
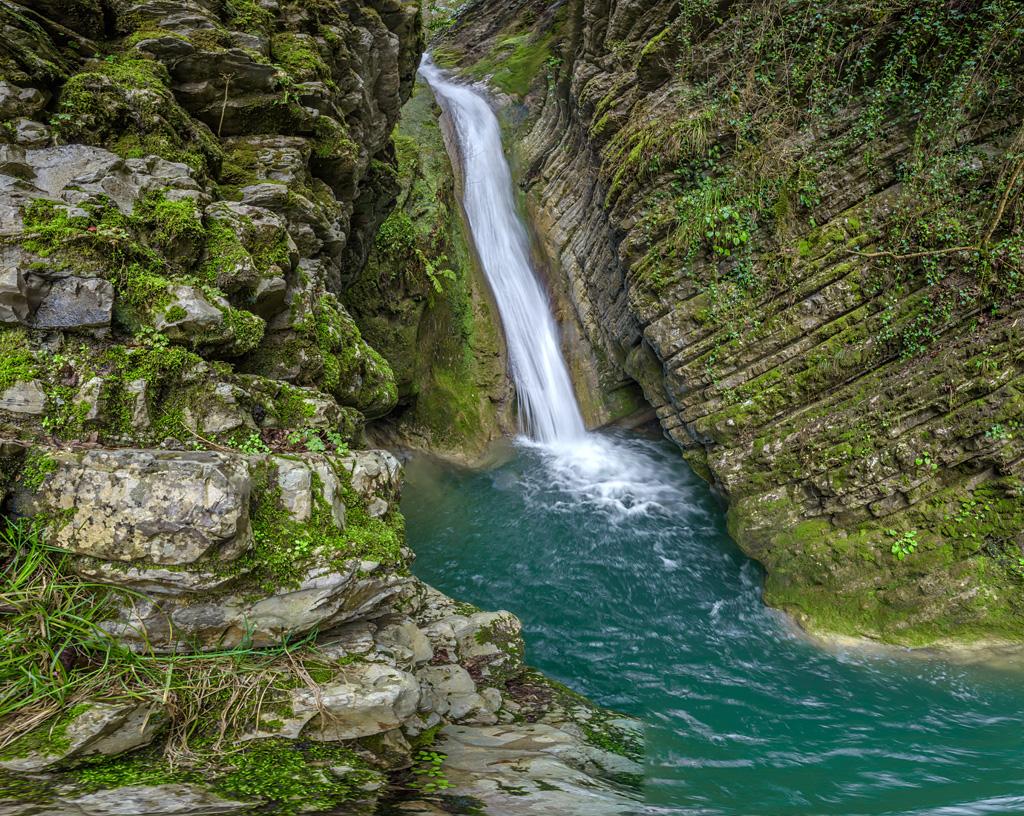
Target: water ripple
pixel 616 558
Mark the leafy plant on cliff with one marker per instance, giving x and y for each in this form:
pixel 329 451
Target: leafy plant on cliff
pixel 905 543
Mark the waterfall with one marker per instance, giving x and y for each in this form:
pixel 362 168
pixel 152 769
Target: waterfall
pixel 547 405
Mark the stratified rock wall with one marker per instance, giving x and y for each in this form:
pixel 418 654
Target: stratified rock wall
pixel 799 229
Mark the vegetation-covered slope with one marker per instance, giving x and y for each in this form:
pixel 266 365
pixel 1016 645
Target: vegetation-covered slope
pixel 799 226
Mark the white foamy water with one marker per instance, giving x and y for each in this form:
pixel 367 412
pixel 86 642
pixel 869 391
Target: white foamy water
pixel 547 404
pixel 623 479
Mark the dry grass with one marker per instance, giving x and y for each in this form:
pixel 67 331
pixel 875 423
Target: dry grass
pixel 55 654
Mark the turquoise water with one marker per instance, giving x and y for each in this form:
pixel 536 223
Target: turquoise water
pixel 616 558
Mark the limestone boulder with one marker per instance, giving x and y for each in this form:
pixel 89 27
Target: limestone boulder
pixel 30 133
pixel 252 271
pixel 327 595
pixel 16 101
pixel 164 507
pixel 312 478
pixel 76 174
pixel 200 320
pixel 490 645
pixel 170 527
pixel 220 408
pixel 14 294
pixel 191 316
pixel 449 691
pixel 404 643
pixel 363 700
pixel 376 476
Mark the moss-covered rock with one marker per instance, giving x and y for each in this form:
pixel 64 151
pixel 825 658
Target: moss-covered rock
pixel 124 103
pixel 814 281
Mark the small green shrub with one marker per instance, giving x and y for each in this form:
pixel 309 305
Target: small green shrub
pixel 904 544
pixel 429 768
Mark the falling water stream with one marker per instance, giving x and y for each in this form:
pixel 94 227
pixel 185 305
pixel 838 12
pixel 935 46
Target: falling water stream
pixel 616 558
pixel 547 405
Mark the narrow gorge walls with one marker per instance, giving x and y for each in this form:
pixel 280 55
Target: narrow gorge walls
pixel 422 302
pixel 798 227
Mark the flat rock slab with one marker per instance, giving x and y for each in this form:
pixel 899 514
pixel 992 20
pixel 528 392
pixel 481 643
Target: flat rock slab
pixel 151 800
pixel 528 770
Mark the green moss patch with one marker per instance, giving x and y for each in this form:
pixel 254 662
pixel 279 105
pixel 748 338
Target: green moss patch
pixel 17 362
pixel 123 103
pixel 297 777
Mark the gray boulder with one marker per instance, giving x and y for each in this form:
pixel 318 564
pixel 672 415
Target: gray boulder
pixel 327 595
pixel 199 320
pixel 532 770
pixel 96 729
pixel 16 101
pixel 73 303
pixel 166 507
pixel 27 397
pixel 364 699
pixel 29 133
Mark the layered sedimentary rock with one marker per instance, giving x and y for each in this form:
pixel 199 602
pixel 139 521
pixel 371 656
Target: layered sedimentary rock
pixel 799 229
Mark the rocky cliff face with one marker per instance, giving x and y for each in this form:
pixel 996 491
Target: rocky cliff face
pixel 422 302
pixel 207 602
pixel 799 228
